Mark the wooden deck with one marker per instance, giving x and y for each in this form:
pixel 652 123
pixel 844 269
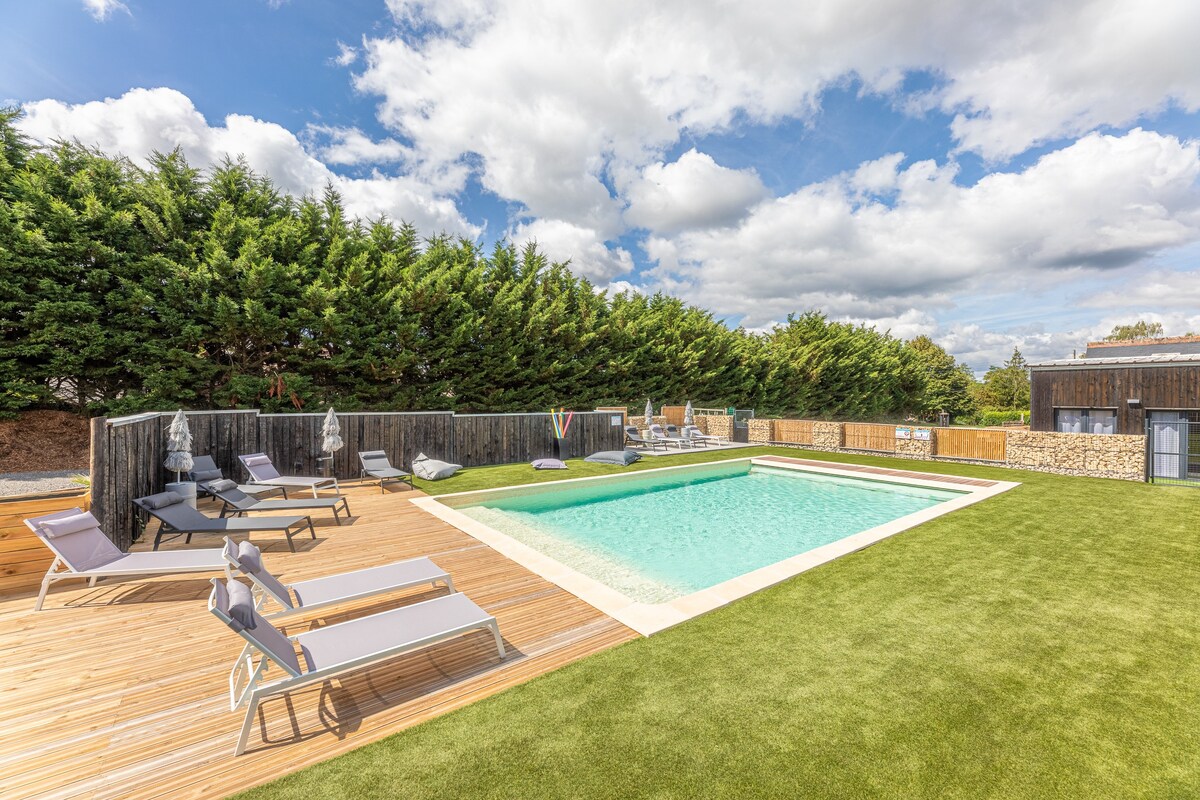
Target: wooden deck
pixel 121 691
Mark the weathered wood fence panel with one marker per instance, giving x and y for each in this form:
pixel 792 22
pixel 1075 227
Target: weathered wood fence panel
pixel 674 414
pixel 127 453
pixel 794 431
pixel 23 557
pixel 982 445
pixel 865 436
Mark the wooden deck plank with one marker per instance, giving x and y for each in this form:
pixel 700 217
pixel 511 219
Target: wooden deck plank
pixel 120 690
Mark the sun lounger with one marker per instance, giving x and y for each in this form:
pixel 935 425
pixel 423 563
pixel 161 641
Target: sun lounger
pixel 330 589
pixel 263 471
pixel 694 432
pixel 658 433
pixel 205 471
pixel 332 649
pixel 375 464
pixel 632 436
pixel 236 502
pixel 674 433
pixel 81 550
pixel 177 518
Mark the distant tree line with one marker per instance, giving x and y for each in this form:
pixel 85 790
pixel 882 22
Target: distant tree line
pixel 127 288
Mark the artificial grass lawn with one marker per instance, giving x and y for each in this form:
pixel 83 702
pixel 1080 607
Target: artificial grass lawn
pixel 1042 643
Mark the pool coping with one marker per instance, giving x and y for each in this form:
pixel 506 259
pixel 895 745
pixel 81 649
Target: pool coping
pixel 650 618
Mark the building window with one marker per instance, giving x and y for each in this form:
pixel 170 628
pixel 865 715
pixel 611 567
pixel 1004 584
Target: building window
pixel 1085 420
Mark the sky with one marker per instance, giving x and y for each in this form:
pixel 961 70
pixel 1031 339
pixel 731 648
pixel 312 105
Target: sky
pixel 1009 174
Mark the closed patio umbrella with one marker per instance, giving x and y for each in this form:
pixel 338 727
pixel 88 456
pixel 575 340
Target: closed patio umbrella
pixel 179 446
pixel 330 440
pixel 689 416
pixel 649 414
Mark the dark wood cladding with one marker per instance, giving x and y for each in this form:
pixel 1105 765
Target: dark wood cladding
pixel 127 454
pixel 1157 387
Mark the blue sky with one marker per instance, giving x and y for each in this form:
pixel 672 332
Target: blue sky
pixel 1014 176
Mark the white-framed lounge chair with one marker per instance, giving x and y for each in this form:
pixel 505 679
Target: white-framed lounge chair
pixel 696 434
pixel 676 433
pixel 333 649
pixel 235 502
pixel 177 518
pixel 293 598
pixel 205 471
pixel 81 550
pixel 375 465
pixel 635 438
pixel 657 432
pixel 262 471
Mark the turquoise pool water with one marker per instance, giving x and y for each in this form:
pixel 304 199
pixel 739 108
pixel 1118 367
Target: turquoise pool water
pixel 657 536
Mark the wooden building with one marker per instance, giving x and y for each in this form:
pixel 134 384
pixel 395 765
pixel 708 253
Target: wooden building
pixel 1117 394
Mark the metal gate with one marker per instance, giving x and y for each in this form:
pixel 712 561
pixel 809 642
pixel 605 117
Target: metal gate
pixel 1174 441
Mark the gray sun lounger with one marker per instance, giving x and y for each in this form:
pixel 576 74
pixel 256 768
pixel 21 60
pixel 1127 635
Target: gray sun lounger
pixel 235 502
pixel 332 649
pixel 687 434
pixel 658 433
pixel 697 436
pixel 205 471
pixel 177 518
pixel 262 471
pixel 81 550
pixel 375 464
pixel 329 590
pixel 632 435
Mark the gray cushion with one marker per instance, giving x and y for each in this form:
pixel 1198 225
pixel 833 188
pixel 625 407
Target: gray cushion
pixel 162 500
pixel 68 525
pixel 549 463
pixel 241 604
pixel 255 461
pixel 431 469
pixel 202 475
pixel 249 558
pixel 223 485
pixel 622 458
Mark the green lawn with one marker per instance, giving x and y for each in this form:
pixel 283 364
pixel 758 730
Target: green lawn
pixel 1043 643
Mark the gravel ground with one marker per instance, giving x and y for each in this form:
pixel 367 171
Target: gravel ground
pixel 31 482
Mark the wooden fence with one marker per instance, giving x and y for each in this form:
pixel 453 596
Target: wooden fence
pixel 127 453
pixel 982 445
pixel 674 414
pixel 867 436
pixel 794 431
pixel 23 557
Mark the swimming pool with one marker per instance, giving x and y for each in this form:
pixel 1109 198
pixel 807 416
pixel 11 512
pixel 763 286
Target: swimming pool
pixel 679 538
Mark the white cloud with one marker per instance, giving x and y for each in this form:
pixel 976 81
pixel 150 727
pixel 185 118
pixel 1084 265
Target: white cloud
pixel 692 192
pixel 103 9
pixel 350 146
pixel 1100 204
pixel 590 257
pixel 556 98
pixel 144 120
pixel 1154 289
pixel 347 54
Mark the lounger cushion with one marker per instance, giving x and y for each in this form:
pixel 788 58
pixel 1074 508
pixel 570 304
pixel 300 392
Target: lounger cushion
pixel 204 475
pixel 622 458
pixel 65 526
pixel 241 604
pixel 223 485
pixel 255 461
pixel 249 558
pixel 162 500
pixel 549 463
pixel 431 469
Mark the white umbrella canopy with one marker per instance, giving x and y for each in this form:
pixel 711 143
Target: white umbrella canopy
pixel 649 413
pixel 179 446
pixel 330 440
pixel 689 416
